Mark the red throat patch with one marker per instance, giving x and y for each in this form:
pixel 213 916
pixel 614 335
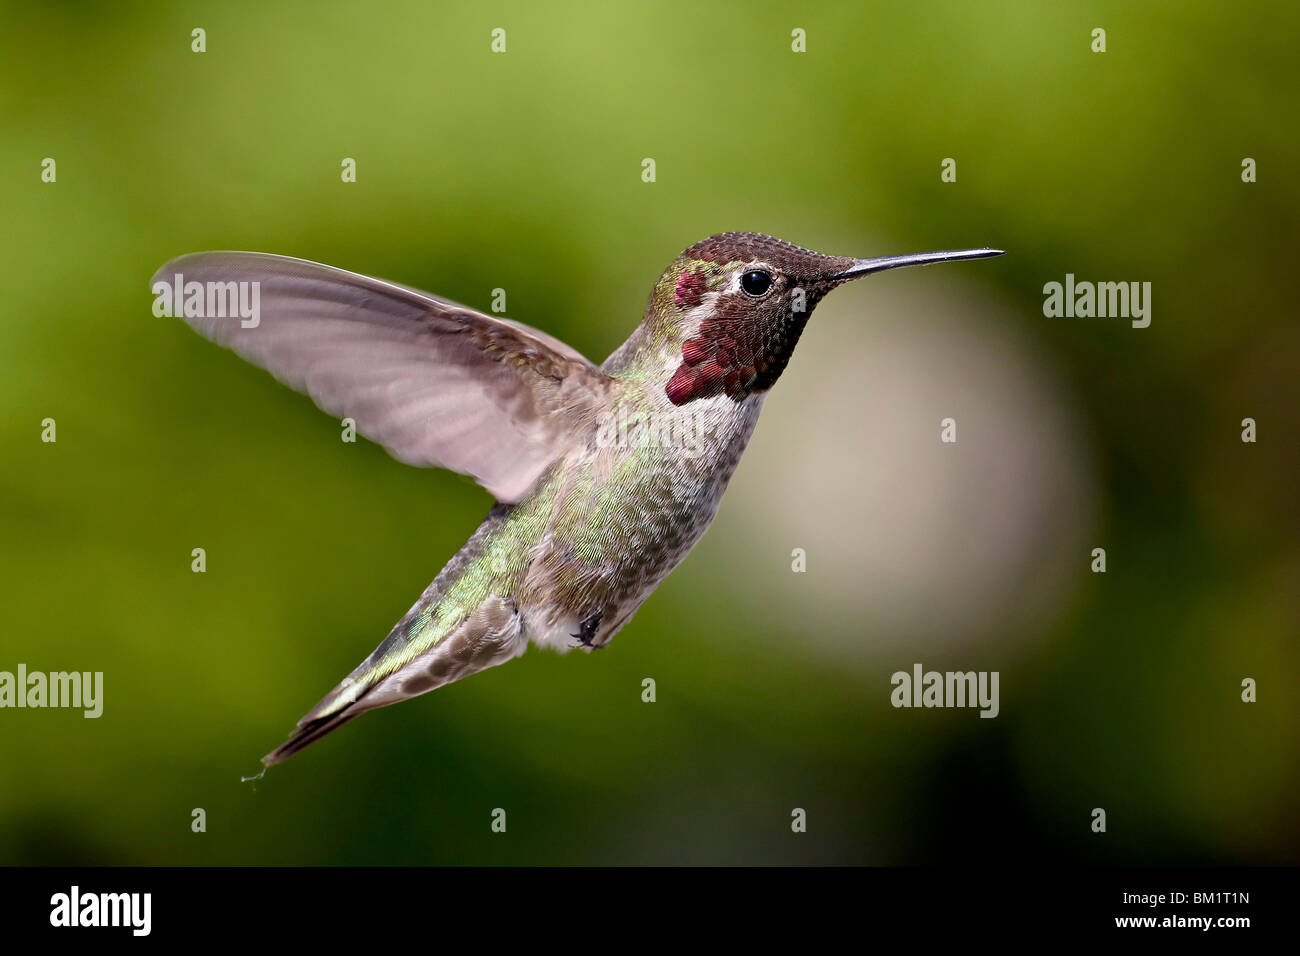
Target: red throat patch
pixel 744 342
pixel 690 290
pixel 718 360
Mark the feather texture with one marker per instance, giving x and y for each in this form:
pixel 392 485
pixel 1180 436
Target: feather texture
pixel 435 383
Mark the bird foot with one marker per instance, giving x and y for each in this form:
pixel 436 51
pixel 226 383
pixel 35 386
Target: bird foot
pixel 587 630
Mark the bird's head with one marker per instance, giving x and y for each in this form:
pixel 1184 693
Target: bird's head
pixel 738 302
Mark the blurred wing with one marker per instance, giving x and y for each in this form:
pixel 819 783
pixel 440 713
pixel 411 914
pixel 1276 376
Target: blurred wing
pixel 435 383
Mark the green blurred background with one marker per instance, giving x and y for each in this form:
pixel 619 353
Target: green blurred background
pixel 523 171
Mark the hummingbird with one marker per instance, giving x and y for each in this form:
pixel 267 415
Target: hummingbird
pixel 604 476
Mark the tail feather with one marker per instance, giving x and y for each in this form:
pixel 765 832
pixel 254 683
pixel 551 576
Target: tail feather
pixel 349 700
pixel 490 635
pixel 424 650
pixel 310 731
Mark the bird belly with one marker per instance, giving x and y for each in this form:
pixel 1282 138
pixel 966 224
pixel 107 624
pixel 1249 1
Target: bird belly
pixel 627 515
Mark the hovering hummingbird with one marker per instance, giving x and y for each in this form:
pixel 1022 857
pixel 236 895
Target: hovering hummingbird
pixel 588 520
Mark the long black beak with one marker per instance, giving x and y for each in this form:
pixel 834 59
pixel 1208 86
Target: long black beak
pixel 865 267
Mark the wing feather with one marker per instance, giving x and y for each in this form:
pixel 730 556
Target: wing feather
pixel 434 382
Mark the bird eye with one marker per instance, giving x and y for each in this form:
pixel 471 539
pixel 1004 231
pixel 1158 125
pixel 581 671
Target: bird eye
pixel 756 283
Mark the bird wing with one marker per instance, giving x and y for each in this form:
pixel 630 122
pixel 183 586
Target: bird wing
pixel 433 382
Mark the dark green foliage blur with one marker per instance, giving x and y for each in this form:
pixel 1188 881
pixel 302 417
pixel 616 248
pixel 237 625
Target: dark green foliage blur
pixel 523 171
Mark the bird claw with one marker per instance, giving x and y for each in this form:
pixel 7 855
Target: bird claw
pixel 587 630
